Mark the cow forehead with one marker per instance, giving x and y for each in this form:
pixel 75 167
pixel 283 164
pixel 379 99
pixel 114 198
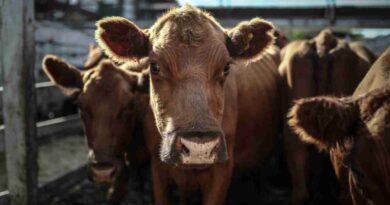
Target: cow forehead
pixel 105 87
pixel 188 38
pixel 182 52
pixel 186 25
pixel 191 42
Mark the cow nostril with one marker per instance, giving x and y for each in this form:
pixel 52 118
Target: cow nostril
pixel 216 148
pixel 185 150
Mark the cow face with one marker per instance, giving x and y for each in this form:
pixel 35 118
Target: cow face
pixel 358 129
pixel 106 98
pixel 190 59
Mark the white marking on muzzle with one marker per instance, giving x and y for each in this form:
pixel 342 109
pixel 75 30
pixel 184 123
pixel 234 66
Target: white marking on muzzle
pixel 199 152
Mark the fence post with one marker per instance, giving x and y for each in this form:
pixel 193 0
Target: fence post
pixel 17 62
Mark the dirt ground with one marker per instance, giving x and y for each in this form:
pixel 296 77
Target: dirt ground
pixel 54 158
pixel 248 188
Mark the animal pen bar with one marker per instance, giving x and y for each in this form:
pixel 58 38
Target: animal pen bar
pixel 17 64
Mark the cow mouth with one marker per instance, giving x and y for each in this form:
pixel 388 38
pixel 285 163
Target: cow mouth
pixel 197 167
pixel 107 170
pixel 103 172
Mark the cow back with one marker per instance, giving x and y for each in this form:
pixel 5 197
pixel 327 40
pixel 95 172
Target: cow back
pixel 378 76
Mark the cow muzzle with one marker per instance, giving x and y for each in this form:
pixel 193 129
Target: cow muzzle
pixel 195 150
pixel 198 151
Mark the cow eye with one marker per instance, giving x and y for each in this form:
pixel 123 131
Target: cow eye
pixel 154 68
pixel 226 69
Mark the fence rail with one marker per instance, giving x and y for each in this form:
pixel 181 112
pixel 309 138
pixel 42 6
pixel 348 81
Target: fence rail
pixel 65 125
pixel 46 130
pixel 4 198
pixel 61 184
pixel 56 127
pixel 54 188
pixel 40 85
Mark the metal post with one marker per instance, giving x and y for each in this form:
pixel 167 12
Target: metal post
pixel 17 62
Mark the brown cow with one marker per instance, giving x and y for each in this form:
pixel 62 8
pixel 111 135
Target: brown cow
pixel 111 103
pixel 215 103
pixel 355 131
pixel 322 65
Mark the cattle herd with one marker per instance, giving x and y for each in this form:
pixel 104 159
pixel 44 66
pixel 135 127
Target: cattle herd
pixel 199 102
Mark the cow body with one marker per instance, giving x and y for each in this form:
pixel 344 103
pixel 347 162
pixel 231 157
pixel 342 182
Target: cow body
pixel 355 131
pixel 323 65
pixel 213 99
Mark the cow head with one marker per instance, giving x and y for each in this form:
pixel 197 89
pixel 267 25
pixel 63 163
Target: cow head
pixel 334 65
pixel 106 96
pixel 190 57
pixel 360 128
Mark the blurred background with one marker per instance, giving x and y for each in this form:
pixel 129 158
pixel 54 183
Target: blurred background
pixel 66 28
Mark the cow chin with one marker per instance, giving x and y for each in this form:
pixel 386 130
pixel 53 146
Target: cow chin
pixel 193 153
pixel 106 173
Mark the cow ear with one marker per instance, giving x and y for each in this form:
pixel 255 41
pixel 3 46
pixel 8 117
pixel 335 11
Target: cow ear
pixel 249 39
pixel 323 121
pixel 92 47
pixel 64 75
pixel 121 39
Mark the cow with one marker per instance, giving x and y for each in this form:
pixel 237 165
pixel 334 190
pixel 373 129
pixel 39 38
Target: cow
pixel 355 131
pixel 111 101
pixel 213 94
pixel 323 65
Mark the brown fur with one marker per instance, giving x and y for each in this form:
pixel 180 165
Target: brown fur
pixel 191 92
pixel 363 51
pixel 364 167
pixel 359 139
pixel 325 41
pixel 323 65
pixel 123 34
pixel 71 82
pixel 255 30
pixel 95 55
pixel 109 102
pixel 322 121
